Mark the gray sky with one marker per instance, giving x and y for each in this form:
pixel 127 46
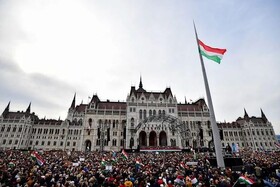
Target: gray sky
pixel 51 49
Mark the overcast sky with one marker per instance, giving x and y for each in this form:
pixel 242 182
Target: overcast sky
pixel 50 49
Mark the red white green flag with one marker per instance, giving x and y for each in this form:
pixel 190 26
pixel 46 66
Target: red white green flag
pixel 245 180
pixel 124 154
pixel 35 155
pixel 211 53
pixel 138 162
pixel 103 162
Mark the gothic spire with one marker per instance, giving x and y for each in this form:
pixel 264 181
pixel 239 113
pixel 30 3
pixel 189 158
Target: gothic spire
pixel 246 117
pixel 140 84
pixel 73 102
pixel 7 109
pixel 28 108
pixel 263 116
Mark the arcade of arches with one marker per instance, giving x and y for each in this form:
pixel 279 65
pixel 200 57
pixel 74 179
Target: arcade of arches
pixel 153 139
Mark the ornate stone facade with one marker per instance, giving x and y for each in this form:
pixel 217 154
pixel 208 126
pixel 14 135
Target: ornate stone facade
pixel 147 119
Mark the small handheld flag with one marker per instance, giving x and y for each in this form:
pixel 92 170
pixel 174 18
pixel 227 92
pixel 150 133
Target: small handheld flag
pixel 124 154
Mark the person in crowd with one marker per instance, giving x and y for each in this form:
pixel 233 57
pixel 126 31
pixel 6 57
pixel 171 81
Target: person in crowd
pixel 169 169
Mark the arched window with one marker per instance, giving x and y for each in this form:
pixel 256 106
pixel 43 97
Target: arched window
pixel 154 112
pixel 80 122
pixel 132 122
pixel 3 128
pixel 99 122
pixel 114 142
pixel 140 114
pixel 145 114
pixel 90 123
pixel 4 141
pixel 150 112
pixel 114 124
pixel 163 112
pixel 105 142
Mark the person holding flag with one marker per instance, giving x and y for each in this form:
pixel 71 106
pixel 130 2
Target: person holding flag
pixel 39 160
pixel 124 154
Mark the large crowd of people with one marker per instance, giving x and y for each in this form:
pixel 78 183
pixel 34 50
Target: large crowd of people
pixel 153 169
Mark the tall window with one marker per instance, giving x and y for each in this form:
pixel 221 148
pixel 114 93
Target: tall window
pixel 140 114
pixel 145 114
pixel 132 122
pixel 154 112
pixel 114 142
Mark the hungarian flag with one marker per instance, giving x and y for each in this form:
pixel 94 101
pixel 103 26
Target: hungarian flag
pixel 211 53
pixel 138 162
pixel 35 156
pixel 245 180
pixel 124 154
pixel 103 162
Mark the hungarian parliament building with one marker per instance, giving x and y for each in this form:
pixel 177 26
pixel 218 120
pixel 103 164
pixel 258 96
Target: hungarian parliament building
pixel 147 120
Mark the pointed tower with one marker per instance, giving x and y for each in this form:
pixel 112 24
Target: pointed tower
pixel 71 110
pixel 263 116
pixel 140 84
pixel 28 109
pixel 246 117
pixel 141 89
pixel 7 109
pixel 73 102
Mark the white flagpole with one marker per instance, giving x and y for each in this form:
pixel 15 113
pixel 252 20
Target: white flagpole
pixel 215 130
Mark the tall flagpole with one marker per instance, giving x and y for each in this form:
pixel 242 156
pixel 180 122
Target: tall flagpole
pixel 215 130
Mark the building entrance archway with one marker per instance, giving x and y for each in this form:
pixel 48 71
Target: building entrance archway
pixel 142 138
pixel 162 138
pixel 153 139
